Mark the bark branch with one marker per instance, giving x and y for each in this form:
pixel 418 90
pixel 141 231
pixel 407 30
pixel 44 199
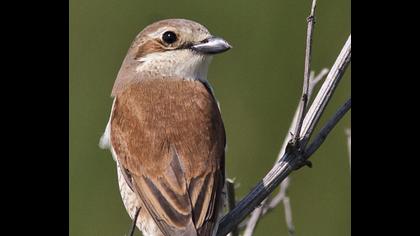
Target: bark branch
pixel 266 206
pixel 288 216
pixel 290 160
pixel 348 133
pixel 313 81
pixel 230 187
pixel 326 91
pixel 253 220
pixel 322 135
pixel 308 56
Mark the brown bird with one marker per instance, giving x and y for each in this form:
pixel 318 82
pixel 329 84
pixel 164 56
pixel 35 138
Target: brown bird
pixel 166 133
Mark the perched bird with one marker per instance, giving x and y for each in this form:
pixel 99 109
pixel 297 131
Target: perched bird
pixel 166 133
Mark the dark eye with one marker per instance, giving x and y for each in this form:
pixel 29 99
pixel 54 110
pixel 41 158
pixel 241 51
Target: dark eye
pixel 169 37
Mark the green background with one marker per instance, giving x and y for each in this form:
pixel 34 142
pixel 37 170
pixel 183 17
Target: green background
pixel 258 84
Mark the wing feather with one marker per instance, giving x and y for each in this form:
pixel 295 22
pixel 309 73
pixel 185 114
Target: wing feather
pixel 169 136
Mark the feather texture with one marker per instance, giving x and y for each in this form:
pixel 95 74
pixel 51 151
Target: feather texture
pixel 169 136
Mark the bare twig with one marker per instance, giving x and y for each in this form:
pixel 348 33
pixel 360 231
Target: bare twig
pixel 266 206
pixel 270 205
pixel 230 186
pixel 244 207
pixel 326 91
pixel 348 134
pixel 279 197
pixel 322 135
pixel 261 211
pixel 308 86
pixel 282 197
pixel 288 215
pixel 253 220
pixel 308 57
pixel 133 225
pixel 290 160
pixel 313 81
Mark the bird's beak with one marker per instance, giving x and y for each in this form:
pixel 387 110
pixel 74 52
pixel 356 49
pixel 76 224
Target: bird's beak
pixel 211 45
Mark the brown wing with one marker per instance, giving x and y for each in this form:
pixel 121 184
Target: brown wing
pixel 168 134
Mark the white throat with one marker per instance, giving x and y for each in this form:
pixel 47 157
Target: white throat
pixel 180 63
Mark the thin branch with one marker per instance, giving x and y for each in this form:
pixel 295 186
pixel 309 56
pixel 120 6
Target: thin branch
pixel 265 207
pixel 279 197
pixel 323 133
pixel 282 197
pixel 348 134
pixel 313 81
pixel 230 186
pixel 244 207
pixel 133 225
pixel 257 214
pixel 253 220
pixel 288 215
pixel 261 211
pixel 325 92
pixel 290 160
pixel 308 57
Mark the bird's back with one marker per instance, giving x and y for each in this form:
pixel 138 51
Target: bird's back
pixel 168 136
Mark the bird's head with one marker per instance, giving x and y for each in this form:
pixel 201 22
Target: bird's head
pixel 173 47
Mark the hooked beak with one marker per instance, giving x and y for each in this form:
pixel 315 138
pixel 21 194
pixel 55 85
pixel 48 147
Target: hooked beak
pixel 211 45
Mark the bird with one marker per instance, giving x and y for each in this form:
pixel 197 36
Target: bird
pixel 166 133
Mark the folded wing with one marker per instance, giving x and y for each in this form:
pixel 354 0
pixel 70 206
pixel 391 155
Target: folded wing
pixel 169 136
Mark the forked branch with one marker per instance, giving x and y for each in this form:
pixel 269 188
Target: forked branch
pixel 289 161
pixel 268 205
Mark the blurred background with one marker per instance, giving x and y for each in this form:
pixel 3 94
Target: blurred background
pixel 258 84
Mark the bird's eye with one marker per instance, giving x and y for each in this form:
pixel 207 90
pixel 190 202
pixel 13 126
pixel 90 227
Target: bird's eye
pixel 169 37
